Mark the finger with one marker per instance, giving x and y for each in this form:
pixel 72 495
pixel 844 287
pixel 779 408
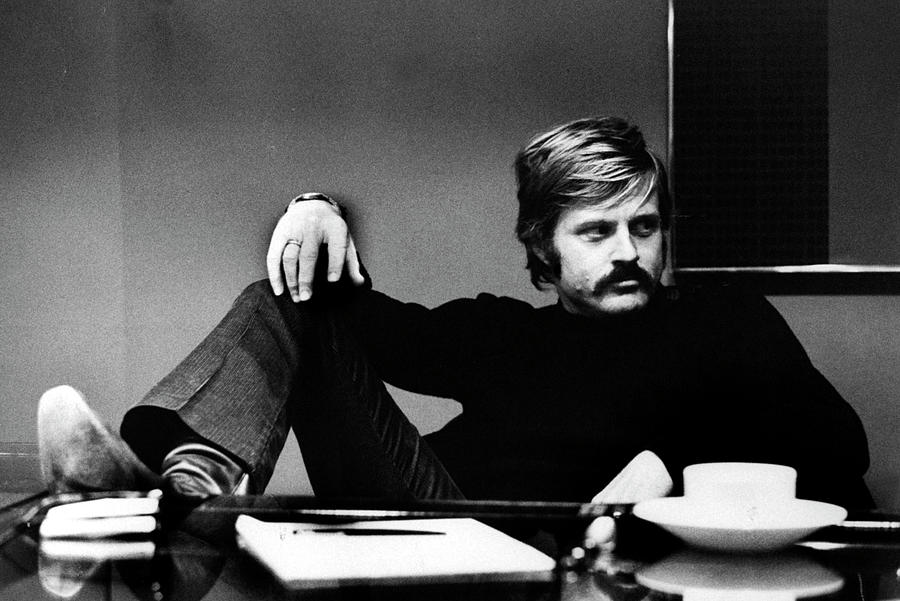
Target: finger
pixel 306 263
pixel 290 252
pixel 273 261
pixel 353 267
pixel 337 240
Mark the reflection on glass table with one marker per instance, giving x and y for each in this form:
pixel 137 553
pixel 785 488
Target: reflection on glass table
pixel 780 576
pixel 194 555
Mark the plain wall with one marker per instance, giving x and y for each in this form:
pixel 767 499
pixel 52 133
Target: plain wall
pixel 149 147
pixel 864 132
pixel 62 263
pixel 854 340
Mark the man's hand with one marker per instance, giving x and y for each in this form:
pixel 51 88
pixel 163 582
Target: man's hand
pixel 295 244
pixel 645 477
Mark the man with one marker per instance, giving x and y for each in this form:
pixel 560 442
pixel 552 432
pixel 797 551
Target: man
pixel 614 389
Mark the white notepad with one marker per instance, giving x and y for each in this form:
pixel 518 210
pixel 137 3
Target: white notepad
pixel 306 555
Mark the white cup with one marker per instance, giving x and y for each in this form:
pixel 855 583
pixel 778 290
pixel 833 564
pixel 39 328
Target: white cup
pixel 742 487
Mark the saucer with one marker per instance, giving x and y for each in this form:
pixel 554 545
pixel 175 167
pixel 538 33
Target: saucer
pixel 747 529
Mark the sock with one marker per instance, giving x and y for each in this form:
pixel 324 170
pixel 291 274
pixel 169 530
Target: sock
pixel 196 470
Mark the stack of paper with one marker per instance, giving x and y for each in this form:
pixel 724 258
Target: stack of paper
pixel 306 555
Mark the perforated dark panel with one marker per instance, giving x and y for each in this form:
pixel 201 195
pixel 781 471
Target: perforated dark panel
pixel 750 123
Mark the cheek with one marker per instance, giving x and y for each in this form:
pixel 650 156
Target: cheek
pixel 653 255
pixel 579 271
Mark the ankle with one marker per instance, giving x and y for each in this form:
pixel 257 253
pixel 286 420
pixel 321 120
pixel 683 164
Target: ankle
pixel 198 470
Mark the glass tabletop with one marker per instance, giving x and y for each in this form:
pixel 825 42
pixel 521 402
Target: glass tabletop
pixel 195 555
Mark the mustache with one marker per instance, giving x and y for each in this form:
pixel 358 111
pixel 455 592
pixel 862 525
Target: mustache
pixel 625 272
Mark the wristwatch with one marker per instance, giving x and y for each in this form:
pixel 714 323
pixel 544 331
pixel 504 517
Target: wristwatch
pixel 316 196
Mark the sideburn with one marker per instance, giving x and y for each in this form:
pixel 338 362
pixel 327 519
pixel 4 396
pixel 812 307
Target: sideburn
pixel 546 258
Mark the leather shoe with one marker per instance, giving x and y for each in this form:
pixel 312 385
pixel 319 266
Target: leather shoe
pixel 80 454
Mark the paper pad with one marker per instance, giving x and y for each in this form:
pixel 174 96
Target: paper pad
pixel 442 550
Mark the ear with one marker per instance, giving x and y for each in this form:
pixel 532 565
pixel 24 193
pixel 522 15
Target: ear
pixel 543 260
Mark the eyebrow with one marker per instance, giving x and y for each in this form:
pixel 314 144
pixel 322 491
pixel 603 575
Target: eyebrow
pixel 598 221
pixel 592 224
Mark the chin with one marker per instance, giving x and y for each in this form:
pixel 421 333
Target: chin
pixel 621 304
pixel 607 304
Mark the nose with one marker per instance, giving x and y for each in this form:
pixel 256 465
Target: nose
pixel 624 248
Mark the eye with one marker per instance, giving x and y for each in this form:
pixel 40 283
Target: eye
pixel 644 227
pixel 596 232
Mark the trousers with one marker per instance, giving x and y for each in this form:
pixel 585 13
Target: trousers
pixel 270 366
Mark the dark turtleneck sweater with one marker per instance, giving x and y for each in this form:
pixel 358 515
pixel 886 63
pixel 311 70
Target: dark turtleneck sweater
pixel 555 404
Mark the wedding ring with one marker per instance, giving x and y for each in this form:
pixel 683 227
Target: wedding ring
pixel 292 241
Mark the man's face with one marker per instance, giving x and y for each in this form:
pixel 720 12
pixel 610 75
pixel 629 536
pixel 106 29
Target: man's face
pixel 611 257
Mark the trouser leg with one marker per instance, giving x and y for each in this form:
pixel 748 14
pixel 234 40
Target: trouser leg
pixel 271 364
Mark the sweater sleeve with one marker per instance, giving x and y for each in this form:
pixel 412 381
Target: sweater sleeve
pixel 791 412
pixel 432 351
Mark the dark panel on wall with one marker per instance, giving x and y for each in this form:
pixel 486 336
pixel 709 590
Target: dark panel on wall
pixel 750 123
